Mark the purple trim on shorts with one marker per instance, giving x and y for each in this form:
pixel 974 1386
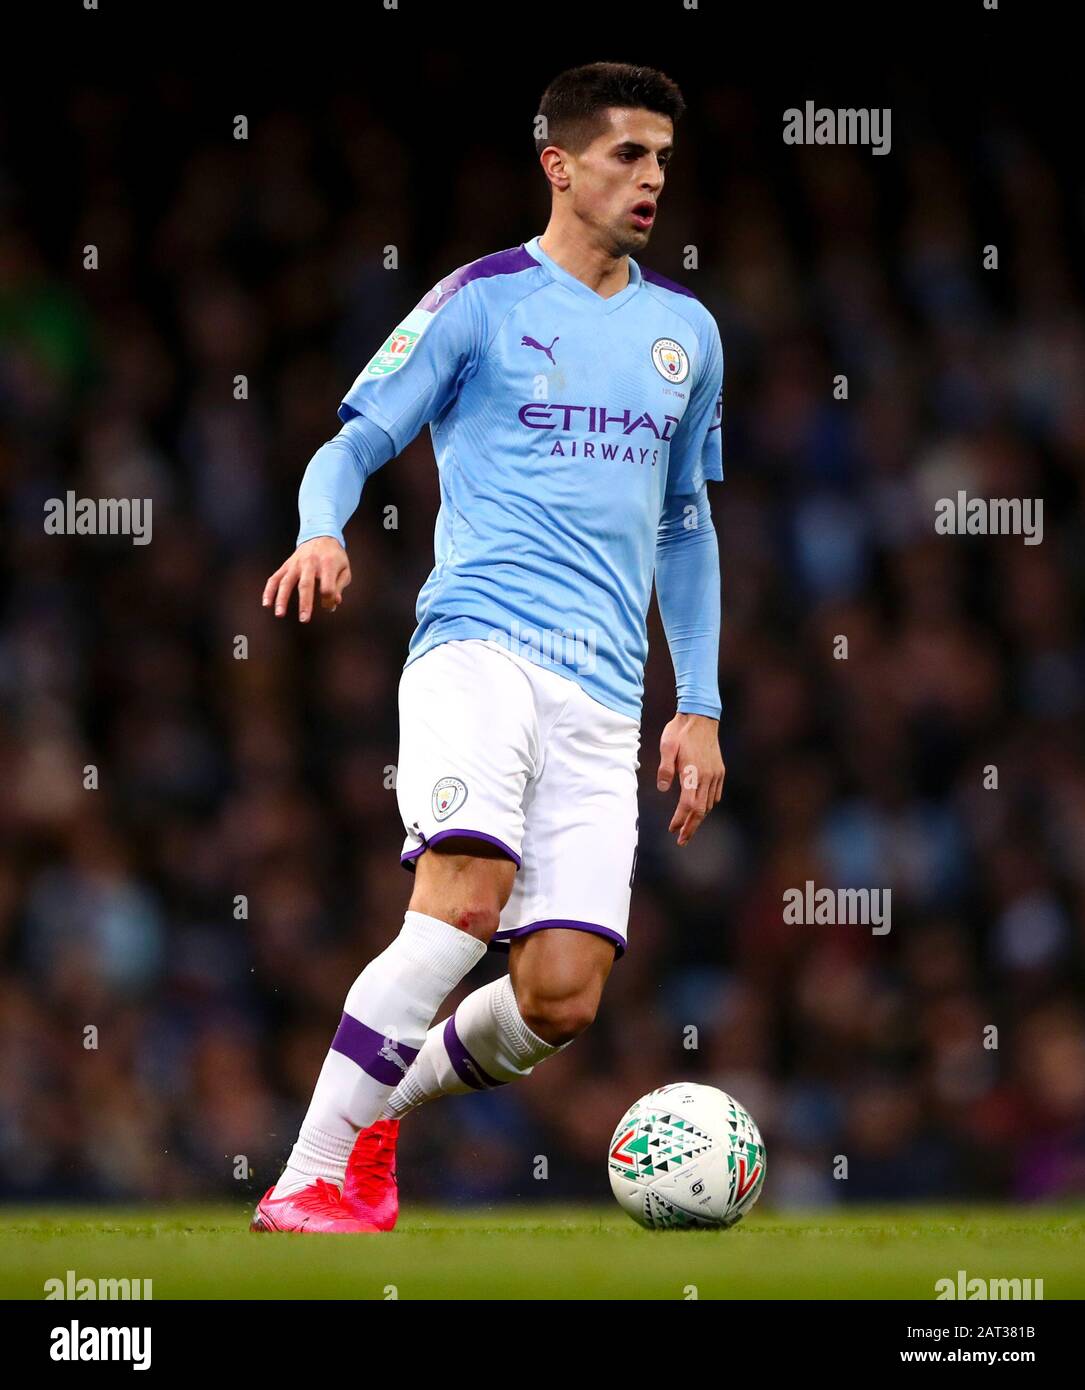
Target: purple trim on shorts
pixel 654 278
pixel 504 938
pixel 407 860
pixel 509 262
pixel 464 1065
pixel 385 1061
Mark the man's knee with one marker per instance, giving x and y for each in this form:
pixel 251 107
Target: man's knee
pixel 474 909
pixel 559 1018
pixel 558 976
pixel 477 915
pixel 466 890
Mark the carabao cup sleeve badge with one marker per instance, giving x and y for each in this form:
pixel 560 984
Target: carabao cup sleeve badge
pixel 392 355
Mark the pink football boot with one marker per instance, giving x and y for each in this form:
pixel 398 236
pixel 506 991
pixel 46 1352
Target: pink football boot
pixel 315 1210
pixel 370 1189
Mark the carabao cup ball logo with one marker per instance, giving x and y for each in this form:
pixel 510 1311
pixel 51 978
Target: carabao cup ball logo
pixel 671 359
pixel 448 795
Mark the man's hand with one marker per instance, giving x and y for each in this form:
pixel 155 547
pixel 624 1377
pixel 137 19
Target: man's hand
pixel 321 561
pixel 690 747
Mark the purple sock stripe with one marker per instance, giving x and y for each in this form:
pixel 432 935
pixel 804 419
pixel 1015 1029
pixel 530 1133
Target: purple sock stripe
pixel 464 1065
pixel 384 1060
pixel 407 860
pixel 504 938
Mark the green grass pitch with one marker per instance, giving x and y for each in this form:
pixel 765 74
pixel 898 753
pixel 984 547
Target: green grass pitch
pixel 546 1252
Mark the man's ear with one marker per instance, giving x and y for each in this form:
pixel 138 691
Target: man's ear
pixel 554 165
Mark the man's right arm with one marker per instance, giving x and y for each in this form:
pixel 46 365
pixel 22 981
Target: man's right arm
pixel 327 499
pixel 410 380
pixel 332 486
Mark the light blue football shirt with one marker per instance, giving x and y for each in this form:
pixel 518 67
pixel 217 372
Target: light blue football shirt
pixel 561 423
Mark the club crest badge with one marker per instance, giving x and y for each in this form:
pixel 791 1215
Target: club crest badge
pixel 670 359
pixel 448 795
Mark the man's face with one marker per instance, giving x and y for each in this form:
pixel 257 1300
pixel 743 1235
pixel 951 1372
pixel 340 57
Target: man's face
pixel 617 180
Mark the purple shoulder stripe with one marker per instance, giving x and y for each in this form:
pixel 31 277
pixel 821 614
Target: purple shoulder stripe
pixel 509 262
pixel 653 278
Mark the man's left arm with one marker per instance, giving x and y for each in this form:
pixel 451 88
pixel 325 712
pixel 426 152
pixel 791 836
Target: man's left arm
pixel 688 591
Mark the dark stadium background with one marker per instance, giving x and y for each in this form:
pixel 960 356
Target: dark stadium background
pixel 265 777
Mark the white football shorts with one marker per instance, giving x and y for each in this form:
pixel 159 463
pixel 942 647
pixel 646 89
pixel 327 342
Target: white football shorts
pixel 495 747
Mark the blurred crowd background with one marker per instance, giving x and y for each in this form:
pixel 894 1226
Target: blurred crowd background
pixel 267 778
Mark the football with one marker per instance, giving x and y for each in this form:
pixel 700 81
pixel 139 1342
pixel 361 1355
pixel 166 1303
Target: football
pixel 686 1155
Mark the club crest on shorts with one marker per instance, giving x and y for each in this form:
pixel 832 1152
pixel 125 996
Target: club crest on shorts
pixel 670 359
pixel 448 795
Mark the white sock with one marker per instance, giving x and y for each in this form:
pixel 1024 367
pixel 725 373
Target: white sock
pixel 388 1009
pixel 485 1043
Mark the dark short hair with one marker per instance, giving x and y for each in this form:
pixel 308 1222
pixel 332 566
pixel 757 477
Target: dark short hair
pixel 576 102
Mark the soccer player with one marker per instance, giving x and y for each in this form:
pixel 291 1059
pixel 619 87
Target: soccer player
pixel 574 402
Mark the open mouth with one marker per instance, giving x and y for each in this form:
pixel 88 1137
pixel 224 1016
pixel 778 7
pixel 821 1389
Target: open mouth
pixel 643 214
